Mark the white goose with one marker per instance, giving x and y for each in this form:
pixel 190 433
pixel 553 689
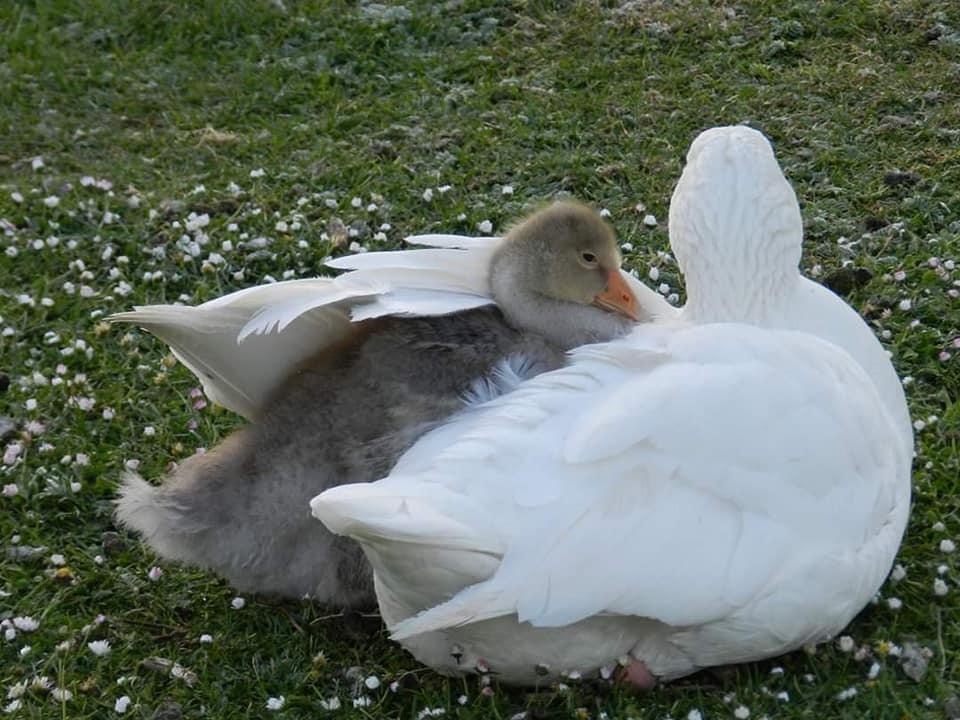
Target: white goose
pixel 711 490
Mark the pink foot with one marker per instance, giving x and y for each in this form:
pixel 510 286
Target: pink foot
pixel 637 676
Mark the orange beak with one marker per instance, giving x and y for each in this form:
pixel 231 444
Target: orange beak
pixel 618 297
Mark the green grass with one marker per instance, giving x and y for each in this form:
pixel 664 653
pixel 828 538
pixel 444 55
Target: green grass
pixel 162 97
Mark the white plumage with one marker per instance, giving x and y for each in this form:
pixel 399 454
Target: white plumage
pixel 716 488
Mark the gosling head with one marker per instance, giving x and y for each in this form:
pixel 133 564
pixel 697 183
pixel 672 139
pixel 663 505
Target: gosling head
pixel 558 273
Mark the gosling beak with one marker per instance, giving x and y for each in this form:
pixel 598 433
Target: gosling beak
pixel 618 297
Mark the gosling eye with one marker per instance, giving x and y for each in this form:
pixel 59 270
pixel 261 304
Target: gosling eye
pixel 588 259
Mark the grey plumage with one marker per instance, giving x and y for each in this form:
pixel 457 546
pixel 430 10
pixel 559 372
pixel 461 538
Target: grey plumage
pixel 242 509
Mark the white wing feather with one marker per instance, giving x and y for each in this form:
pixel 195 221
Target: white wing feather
pixel 593 528
pixel 384 280
pixel 463 242
pixel 241 346
pixel 241 376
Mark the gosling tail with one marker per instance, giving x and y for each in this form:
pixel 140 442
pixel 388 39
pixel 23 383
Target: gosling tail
pixel 144 508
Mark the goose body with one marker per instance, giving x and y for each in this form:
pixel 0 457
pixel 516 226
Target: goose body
pixel 719 487
pixel 390 365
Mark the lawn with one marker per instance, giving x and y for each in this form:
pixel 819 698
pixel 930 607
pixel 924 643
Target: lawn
pixel 156 151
